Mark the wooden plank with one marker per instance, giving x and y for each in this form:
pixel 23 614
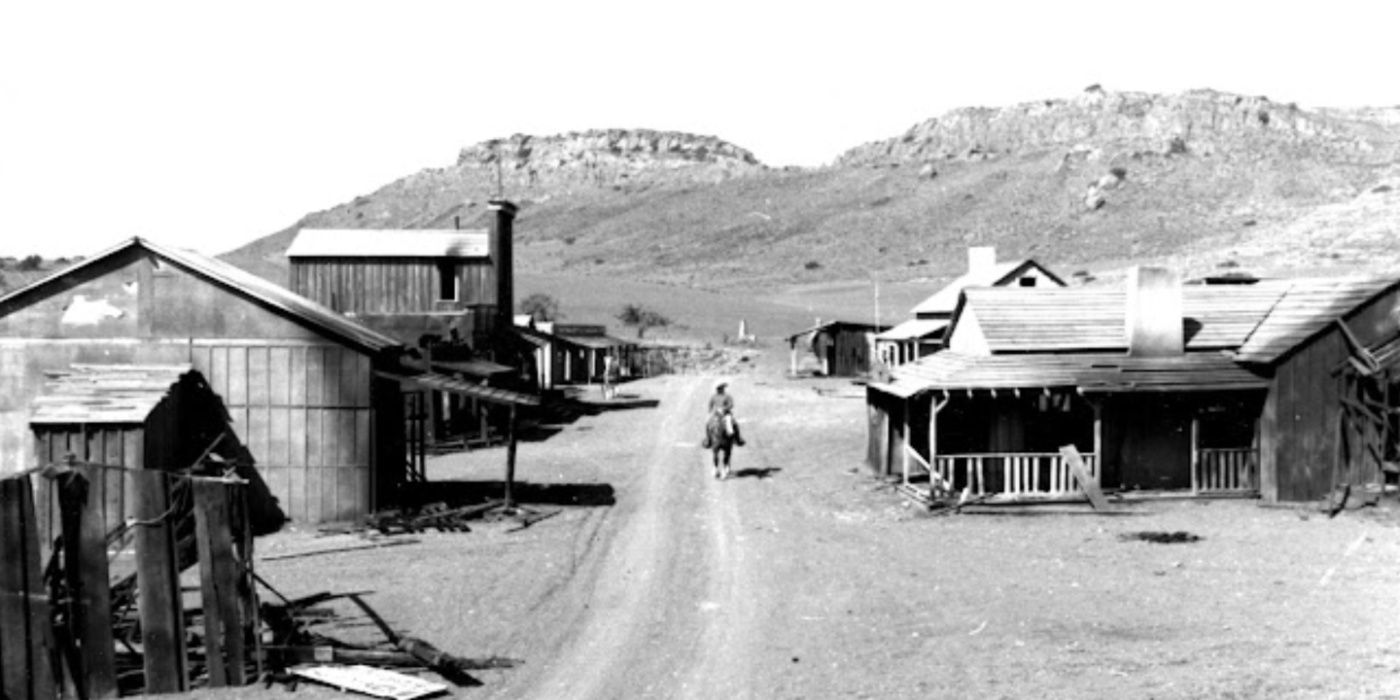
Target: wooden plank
pixel 280 437
pixel 26 638
pixel 326 481
pixel 1088 484
pixel 330 377
pixel 315 376
pixel 237 394
pixel 217 374
pixel 279 365
pixel 348 497
pixel 297 439
pixel 158 586
pixel 296 376
pixel 219 585
pixel 86 573
pixel 297 492
pixel 114 489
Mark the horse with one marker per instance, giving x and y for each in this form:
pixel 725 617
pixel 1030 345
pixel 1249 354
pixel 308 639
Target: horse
pixel 720 437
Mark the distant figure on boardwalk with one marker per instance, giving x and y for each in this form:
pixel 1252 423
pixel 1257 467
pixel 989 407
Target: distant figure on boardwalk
pixel 609 376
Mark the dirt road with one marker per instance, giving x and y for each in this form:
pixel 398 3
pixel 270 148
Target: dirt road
pixel 672 614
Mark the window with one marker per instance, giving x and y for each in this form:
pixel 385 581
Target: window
pixel 447 281
pixel 1027 281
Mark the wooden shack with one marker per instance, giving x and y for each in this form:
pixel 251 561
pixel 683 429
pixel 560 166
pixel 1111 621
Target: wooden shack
pixel 409 283
pixel 139 417
pixel 839 348
pixel 299 381
pixel 567 354
pixel 1208 389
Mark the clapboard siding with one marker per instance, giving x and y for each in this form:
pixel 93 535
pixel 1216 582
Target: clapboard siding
pixel 306 417
pixel 390 285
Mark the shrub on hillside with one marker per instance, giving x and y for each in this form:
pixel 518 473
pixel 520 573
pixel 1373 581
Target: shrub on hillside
pixel 30 263
pixel 642 318
pixel 541 307
pixel 812 265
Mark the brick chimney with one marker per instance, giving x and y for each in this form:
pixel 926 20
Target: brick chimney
pixel 981 259
pixel 1154 313
pixel 499 241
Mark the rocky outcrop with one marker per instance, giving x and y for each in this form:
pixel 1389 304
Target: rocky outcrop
pixel 611 156
pixel 1203 122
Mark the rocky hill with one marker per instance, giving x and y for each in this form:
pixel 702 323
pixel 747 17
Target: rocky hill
pixel 1091 183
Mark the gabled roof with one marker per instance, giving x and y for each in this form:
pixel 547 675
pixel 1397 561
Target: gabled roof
pixel 389 243
pixel 104 393
pixel 1306 310
pixel 832 325
pixel 1092 318
pixel 914 328
pixel 275 298
pixel 945 300
pixel 1088 372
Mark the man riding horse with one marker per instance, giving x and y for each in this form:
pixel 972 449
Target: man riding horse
pixel 721 430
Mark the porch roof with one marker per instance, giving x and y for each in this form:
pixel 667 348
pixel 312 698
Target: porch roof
pixel 1087 372
pixel 912 329
pixel 1305 310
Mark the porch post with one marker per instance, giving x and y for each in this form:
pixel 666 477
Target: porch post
pixel 933 476
pixel 1195 453
pixel 1097 471
pixel 908 409
pixel 793 358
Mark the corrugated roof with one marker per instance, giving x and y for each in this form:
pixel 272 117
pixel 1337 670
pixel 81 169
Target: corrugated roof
pixel 1014 319
pixel 389 243
pixel 104 393
pixel 1090 372
pixel 945 300
pixel 1305 311
pixel 913 328
pixel 276 298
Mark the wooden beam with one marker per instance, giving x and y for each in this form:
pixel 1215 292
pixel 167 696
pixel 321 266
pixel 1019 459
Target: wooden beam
pixel 1195 454
pixel 26 637
pixel 93 668
pixel 158 585
pixel 1087 483
pixel 510 461
pixel 219 584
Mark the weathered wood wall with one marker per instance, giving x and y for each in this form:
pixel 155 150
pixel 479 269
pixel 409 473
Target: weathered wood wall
pixel 300 401
pixel 390 285
pixel 307 419
pixel 1299 431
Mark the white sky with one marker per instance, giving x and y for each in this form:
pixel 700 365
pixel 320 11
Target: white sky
pixel 208 126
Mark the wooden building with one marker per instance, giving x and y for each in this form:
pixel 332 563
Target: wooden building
pixel 575 353
pixel 922 334
pixel 839 348
pixel 409 283
pixel 1201 388
pixel 301 383
pixel 131 417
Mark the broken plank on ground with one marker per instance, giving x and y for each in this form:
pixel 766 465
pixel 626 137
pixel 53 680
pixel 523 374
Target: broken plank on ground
pixel 371 681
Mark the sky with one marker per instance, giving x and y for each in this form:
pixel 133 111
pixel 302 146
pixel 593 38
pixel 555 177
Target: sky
pixel 207 125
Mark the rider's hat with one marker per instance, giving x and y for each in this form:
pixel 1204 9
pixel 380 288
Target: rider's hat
pixel 721 384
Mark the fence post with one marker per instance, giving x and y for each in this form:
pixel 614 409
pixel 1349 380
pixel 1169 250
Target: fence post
pixel 158 585
pixel 86 574
pixel 26 637
pixel 219 583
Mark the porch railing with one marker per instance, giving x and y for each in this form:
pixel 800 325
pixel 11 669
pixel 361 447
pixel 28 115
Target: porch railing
pixel 1009 473
pixel 1228 469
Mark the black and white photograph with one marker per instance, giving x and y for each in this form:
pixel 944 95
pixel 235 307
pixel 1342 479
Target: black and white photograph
pixel 773 350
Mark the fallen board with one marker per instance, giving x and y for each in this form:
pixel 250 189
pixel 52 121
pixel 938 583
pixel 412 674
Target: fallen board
pixel 371 681
pixel 1089 484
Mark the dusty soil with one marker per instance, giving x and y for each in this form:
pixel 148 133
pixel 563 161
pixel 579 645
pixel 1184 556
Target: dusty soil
pixel 802 577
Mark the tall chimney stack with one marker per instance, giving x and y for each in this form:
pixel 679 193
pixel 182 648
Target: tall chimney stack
pixel 981 259
pixel 1154 318
pixel 502 257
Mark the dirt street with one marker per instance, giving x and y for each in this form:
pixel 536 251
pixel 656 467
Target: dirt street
pixel 801 577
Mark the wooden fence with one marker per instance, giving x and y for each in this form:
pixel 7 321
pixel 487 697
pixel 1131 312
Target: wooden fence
pixel 1011 473
pixel 1226 470
pixel 62 626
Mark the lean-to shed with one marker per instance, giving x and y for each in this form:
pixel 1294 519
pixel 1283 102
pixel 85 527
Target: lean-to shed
pixel 297 379
pixel 138 417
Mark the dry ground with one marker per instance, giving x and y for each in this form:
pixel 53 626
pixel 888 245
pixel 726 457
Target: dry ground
pixel 804 578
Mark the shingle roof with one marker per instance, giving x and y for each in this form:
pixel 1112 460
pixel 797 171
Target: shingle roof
pixel 1092 318
pixel 276 298
pixel 945 300
pixel 442 382
pixel 104 393
pixel 1305 311
pixel 388 243
pixel 1090 372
